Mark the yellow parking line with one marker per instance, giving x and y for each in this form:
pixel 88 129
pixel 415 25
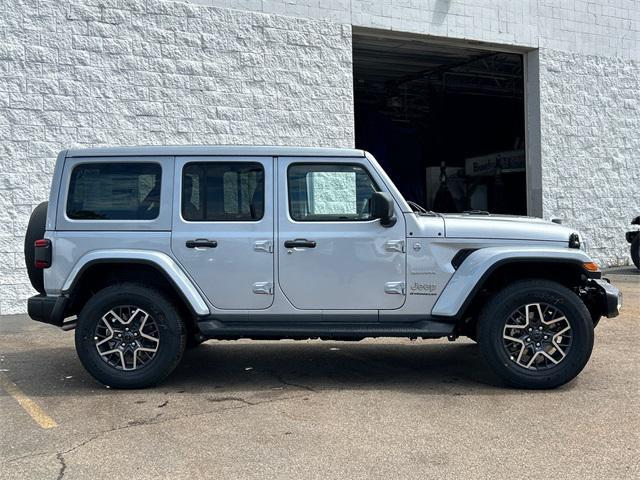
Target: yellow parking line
pixel 29 406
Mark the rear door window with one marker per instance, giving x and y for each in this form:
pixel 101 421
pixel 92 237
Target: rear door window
pixel 114 191
pixel 222 191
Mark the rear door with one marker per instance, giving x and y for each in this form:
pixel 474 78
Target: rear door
pixel 223 228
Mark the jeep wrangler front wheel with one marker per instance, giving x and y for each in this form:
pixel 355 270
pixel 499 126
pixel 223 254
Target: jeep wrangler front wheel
pixel 129 336
pixel 536 334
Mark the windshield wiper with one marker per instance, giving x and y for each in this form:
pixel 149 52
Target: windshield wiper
pixel 419 209
pixel 476 212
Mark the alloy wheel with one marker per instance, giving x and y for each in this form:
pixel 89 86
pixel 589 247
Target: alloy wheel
pixel 127 337
pixel 537 336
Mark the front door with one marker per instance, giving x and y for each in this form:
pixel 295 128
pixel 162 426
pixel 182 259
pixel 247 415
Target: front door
pixel 331 254
pixel 223 228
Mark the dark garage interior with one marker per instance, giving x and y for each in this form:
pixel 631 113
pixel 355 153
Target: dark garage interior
pixel 446 122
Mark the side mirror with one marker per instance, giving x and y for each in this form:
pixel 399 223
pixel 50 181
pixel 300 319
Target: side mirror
pixel 382 208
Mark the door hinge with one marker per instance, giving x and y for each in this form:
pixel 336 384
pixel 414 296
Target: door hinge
pixel 394 288
pixel 394 246
pixel 263 246
pixel 263 288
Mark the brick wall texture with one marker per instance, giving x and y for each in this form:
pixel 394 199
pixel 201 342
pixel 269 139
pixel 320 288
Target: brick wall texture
pixel 106 72
pixel 80 73
pixel 591 147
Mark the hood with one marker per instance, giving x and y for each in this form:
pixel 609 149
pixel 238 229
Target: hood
pixel 505 227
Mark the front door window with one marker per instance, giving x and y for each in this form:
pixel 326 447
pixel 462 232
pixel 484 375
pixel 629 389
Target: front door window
pixel 324 192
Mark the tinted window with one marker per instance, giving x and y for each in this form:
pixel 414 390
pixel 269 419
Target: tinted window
pixel 222 191
pixel 114 191
pixel 329 192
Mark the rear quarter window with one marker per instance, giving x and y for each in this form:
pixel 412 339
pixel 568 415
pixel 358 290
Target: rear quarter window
pixel 114 191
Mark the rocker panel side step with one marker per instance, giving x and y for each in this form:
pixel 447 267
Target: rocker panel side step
pixel 214 328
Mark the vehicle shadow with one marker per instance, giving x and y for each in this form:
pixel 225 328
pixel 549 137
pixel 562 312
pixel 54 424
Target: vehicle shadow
pixel 253 367
pixel 317 366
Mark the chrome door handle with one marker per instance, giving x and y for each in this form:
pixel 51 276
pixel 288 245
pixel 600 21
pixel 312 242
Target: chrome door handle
pixel 263 288
pixel 263 246
pixel 300 243
pixel 394 246
pixel 201 243
pixel 394 288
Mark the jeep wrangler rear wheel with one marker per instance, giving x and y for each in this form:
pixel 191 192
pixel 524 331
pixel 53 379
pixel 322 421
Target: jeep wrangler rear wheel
pixel 129 336
pixel 536 334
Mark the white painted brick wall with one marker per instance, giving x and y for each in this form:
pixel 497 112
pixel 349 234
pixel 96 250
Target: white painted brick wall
pixel 94 72
pixel 591 147
pixel 589 89
pixel 593 27
pixel 79 73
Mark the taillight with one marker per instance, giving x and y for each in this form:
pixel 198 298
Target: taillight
pixel 43 253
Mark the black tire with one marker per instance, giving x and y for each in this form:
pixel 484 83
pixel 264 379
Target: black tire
pixel 635 251
pixel 498 311
pixel 170 331
pixel 35 231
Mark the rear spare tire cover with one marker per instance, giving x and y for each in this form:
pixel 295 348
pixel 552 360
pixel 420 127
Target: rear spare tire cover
pixel 35 231
pixel 635 251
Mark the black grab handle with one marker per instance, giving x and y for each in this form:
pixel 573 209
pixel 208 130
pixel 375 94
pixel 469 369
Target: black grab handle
pixel 201 243
pixel 300 242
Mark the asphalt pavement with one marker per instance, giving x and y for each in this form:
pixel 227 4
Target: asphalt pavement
pixel 310 409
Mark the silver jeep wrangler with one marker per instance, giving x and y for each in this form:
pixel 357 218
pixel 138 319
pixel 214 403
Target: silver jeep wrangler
pixel 147 250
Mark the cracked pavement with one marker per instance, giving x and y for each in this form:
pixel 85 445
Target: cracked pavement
pixel 374 409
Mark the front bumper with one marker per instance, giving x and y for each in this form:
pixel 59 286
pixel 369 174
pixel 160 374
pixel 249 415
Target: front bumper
pixel 610 297
pixel 48 309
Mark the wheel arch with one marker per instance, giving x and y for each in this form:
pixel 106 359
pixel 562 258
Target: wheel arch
pixel 488 269
pixel 97 268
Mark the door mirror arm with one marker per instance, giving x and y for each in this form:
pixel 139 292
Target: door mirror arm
pixel 382 207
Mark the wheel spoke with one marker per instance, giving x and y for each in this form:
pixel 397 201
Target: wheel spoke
pixel 115 315
pixel 555 320
pixel 109 352
pixel 111 332
pixel 135 314
pixel 565 329
pixel 535 355
pixel 515 326
pixel 539 310
pixel 513 339
pixel 119 352
pixel 555 343
pixel 144 335
pixel 550 357
pixel 520 327
pixel 145 349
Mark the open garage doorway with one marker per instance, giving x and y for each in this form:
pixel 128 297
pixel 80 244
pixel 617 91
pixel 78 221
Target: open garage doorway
pixel 446 122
